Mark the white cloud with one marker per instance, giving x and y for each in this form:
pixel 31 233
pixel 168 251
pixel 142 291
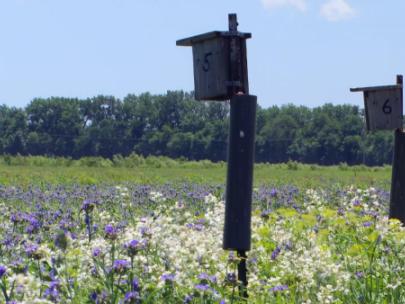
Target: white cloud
pixel 298 4
pixel 336 10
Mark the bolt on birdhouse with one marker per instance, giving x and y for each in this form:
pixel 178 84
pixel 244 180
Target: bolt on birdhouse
pixel 220 64
pixel 383 106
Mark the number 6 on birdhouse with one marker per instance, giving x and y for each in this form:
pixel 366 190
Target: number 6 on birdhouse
pixel 383 106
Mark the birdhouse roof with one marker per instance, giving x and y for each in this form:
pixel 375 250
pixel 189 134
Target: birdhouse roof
pixel 210 35
pixel 378 88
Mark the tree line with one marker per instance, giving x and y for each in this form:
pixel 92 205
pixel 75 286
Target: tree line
pixel 177 126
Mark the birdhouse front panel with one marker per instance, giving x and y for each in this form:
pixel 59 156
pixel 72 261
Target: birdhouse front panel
pixel 211 69
pixel 383 109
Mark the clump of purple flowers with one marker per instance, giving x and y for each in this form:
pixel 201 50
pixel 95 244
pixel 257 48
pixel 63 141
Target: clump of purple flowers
pixel 32 251
pixel 202 287
pixel 167 277
pixel 132 297
pixel 120 266
pixel 133 247
pixel 111 232
pixel 188 299
pixel 52 292
pixel 87 206
pixel 279 288
pixel 205 278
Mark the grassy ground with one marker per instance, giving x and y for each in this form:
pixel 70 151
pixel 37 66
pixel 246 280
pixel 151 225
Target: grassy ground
pixel 300 175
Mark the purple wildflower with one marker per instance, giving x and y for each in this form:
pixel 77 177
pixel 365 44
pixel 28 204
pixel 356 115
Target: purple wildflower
pixel 110 232
pixel 275 253
pixel 120 266
pixel 198 227
pixel 230 278
pixel 99 298
pixel 232 258
pixel 279 288
pixel 93 296
pixel 131 297
pixel 167 277
pixel 16 217
pixel 19 266
pixel 265 214
pixel 359 274
pixel 31 250
pixel 87 206
pixel 146 232
pixel 52 291
pixel 367 224
pixel 97 252
pixel 204 277
pixel 202 287
pixel 188 299
pixel 135 284
pixel 133 247
pixel 3 271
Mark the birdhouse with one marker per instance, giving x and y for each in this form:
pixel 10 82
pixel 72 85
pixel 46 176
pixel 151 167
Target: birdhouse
pixel 383 106
pixel 220 64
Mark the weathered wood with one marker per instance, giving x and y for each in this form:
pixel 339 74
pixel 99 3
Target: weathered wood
pixel 383 106
pixel 397 199
pixel 210 35
pixel 238 60
pixel 220 63
pixel 383 109
pixel 211 66
pixel 378 88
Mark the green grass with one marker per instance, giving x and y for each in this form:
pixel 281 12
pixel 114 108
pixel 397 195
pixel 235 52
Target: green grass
pixel 302 175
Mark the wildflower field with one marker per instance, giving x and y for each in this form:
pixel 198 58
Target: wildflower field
pixel 161 243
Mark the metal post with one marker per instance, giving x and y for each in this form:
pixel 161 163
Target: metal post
pixel 238 205
pixel 240 173
pixel 237 229
pixel 397 199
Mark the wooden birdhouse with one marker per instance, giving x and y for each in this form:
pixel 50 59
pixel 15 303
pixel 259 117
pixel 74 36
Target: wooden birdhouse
pixel 220 64
pixel 383 106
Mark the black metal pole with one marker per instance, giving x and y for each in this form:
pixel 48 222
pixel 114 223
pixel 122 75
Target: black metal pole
pixel 242 273
pixel 397 199
pixel 397 202
pixel 238 204
pixel 238 200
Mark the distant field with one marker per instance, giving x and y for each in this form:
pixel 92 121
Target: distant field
pixel 209 173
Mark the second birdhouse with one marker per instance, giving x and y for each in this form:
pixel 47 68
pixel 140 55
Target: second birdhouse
pixel 220 64
pixel 383 107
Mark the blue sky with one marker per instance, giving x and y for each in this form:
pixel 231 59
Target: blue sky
pixel 302 51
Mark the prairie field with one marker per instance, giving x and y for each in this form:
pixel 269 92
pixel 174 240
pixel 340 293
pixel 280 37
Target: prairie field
pixel 103 233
